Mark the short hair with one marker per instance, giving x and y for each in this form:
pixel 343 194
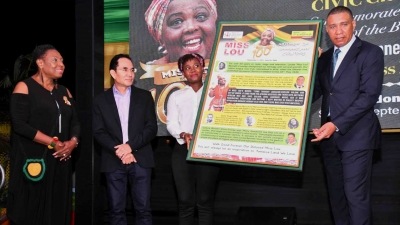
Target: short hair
pixel 40 51
pixel 291 134
pixel 114 60
pixel 340 9
pixel 183 59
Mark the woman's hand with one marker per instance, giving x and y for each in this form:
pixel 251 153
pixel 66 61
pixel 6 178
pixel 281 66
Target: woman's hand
pixel 188 137
pixel 63 150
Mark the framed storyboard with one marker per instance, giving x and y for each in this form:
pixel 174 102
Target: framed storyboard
pixel 257 94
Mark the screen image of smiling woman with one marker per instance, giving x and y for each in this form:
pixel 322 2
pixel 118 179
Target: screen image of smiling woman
pixel 182 27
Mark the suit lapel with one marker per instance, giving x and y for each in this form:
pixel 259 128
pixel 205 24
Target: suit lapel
pixel 351 54
pixel 132 105
pixel 113 106
pixel 328 68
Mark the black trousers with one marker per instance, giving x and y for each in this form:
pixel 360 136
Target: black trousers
pixel 349 183
pixel 195 184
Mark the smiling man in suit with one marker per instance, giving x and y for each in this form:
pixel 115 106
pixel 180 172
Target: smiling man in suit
pixel 124 123
pixel 349 79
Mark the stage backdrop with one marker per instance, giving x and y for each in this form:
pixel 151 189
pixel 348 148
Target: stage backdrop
pixel 177 31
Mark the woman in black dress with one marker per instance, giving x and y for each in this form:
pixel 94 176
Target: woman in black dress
pixel 44 132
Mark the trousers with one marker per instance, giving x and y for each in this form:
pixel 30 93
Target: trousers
pixel 139 180
pixel 195 185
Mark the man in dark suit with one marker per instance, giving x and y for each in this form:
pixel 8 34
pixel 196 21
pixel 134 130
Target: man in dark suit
pixel 350 130
pixel 124 123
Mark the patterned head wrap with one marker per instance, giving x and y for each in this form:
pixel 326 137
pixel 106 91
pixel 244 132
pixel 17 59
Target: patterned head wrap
pixel 270 30
pixel 199 58
pixel 155 14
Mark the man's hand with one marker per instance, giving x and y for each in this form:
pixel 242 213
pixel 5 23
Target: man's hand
pixel 128 158
pixel 122 150
pixel 324 132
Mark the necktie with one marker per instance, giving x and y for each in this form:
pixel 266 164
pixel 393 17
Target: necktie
pixel 335 56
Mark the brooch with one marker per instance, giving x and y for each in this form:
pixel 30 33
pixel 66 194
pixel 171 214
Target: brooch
pixel 66 100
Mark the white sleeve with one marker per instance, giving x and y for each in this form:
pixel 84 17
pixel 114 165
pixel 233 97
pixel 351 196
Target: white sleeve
pixel 173 125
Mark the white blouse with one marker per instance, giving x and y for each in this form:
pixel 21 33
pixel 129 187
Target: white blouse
pixel 182 109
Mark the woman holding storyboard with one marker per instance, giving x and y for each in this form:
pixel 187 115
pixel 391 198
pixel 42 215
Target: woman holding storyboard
pixel 195 182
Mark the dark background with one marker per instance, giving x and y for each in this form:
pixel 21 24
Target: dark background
pixel 27 24
pixel 75 29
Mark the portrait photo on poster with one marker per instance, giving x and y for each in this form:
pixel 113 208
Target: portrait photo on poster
pixel 293 123
pixel 210 118
pixel 299 82
pixel 291 139
pixel 250 121
pixel 221 66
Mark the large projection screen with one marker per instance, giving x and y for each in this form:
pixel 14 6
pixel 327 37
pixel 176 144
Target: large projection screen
pixel 126 31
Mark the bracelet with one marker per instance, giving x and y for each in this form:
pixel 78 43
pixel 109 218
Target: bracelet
pixel 75 139
pixel 53 143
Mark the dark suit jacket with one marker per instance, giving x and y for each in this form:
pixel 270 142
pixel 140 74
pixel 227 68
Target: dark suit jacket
pixel 142 128
pixel 295 85
pixel 352 94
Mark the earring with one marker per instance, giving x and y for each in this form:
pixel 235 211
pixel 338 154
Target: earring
pixel 41 76
pixel 161 50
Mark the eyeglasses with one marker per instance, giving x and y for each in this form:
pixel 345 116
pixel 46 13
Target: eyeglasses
pixel 126 70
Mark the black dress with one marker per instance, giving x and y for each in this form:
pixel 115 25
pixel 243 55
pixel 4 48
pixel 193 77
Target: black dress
pixel 48 201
